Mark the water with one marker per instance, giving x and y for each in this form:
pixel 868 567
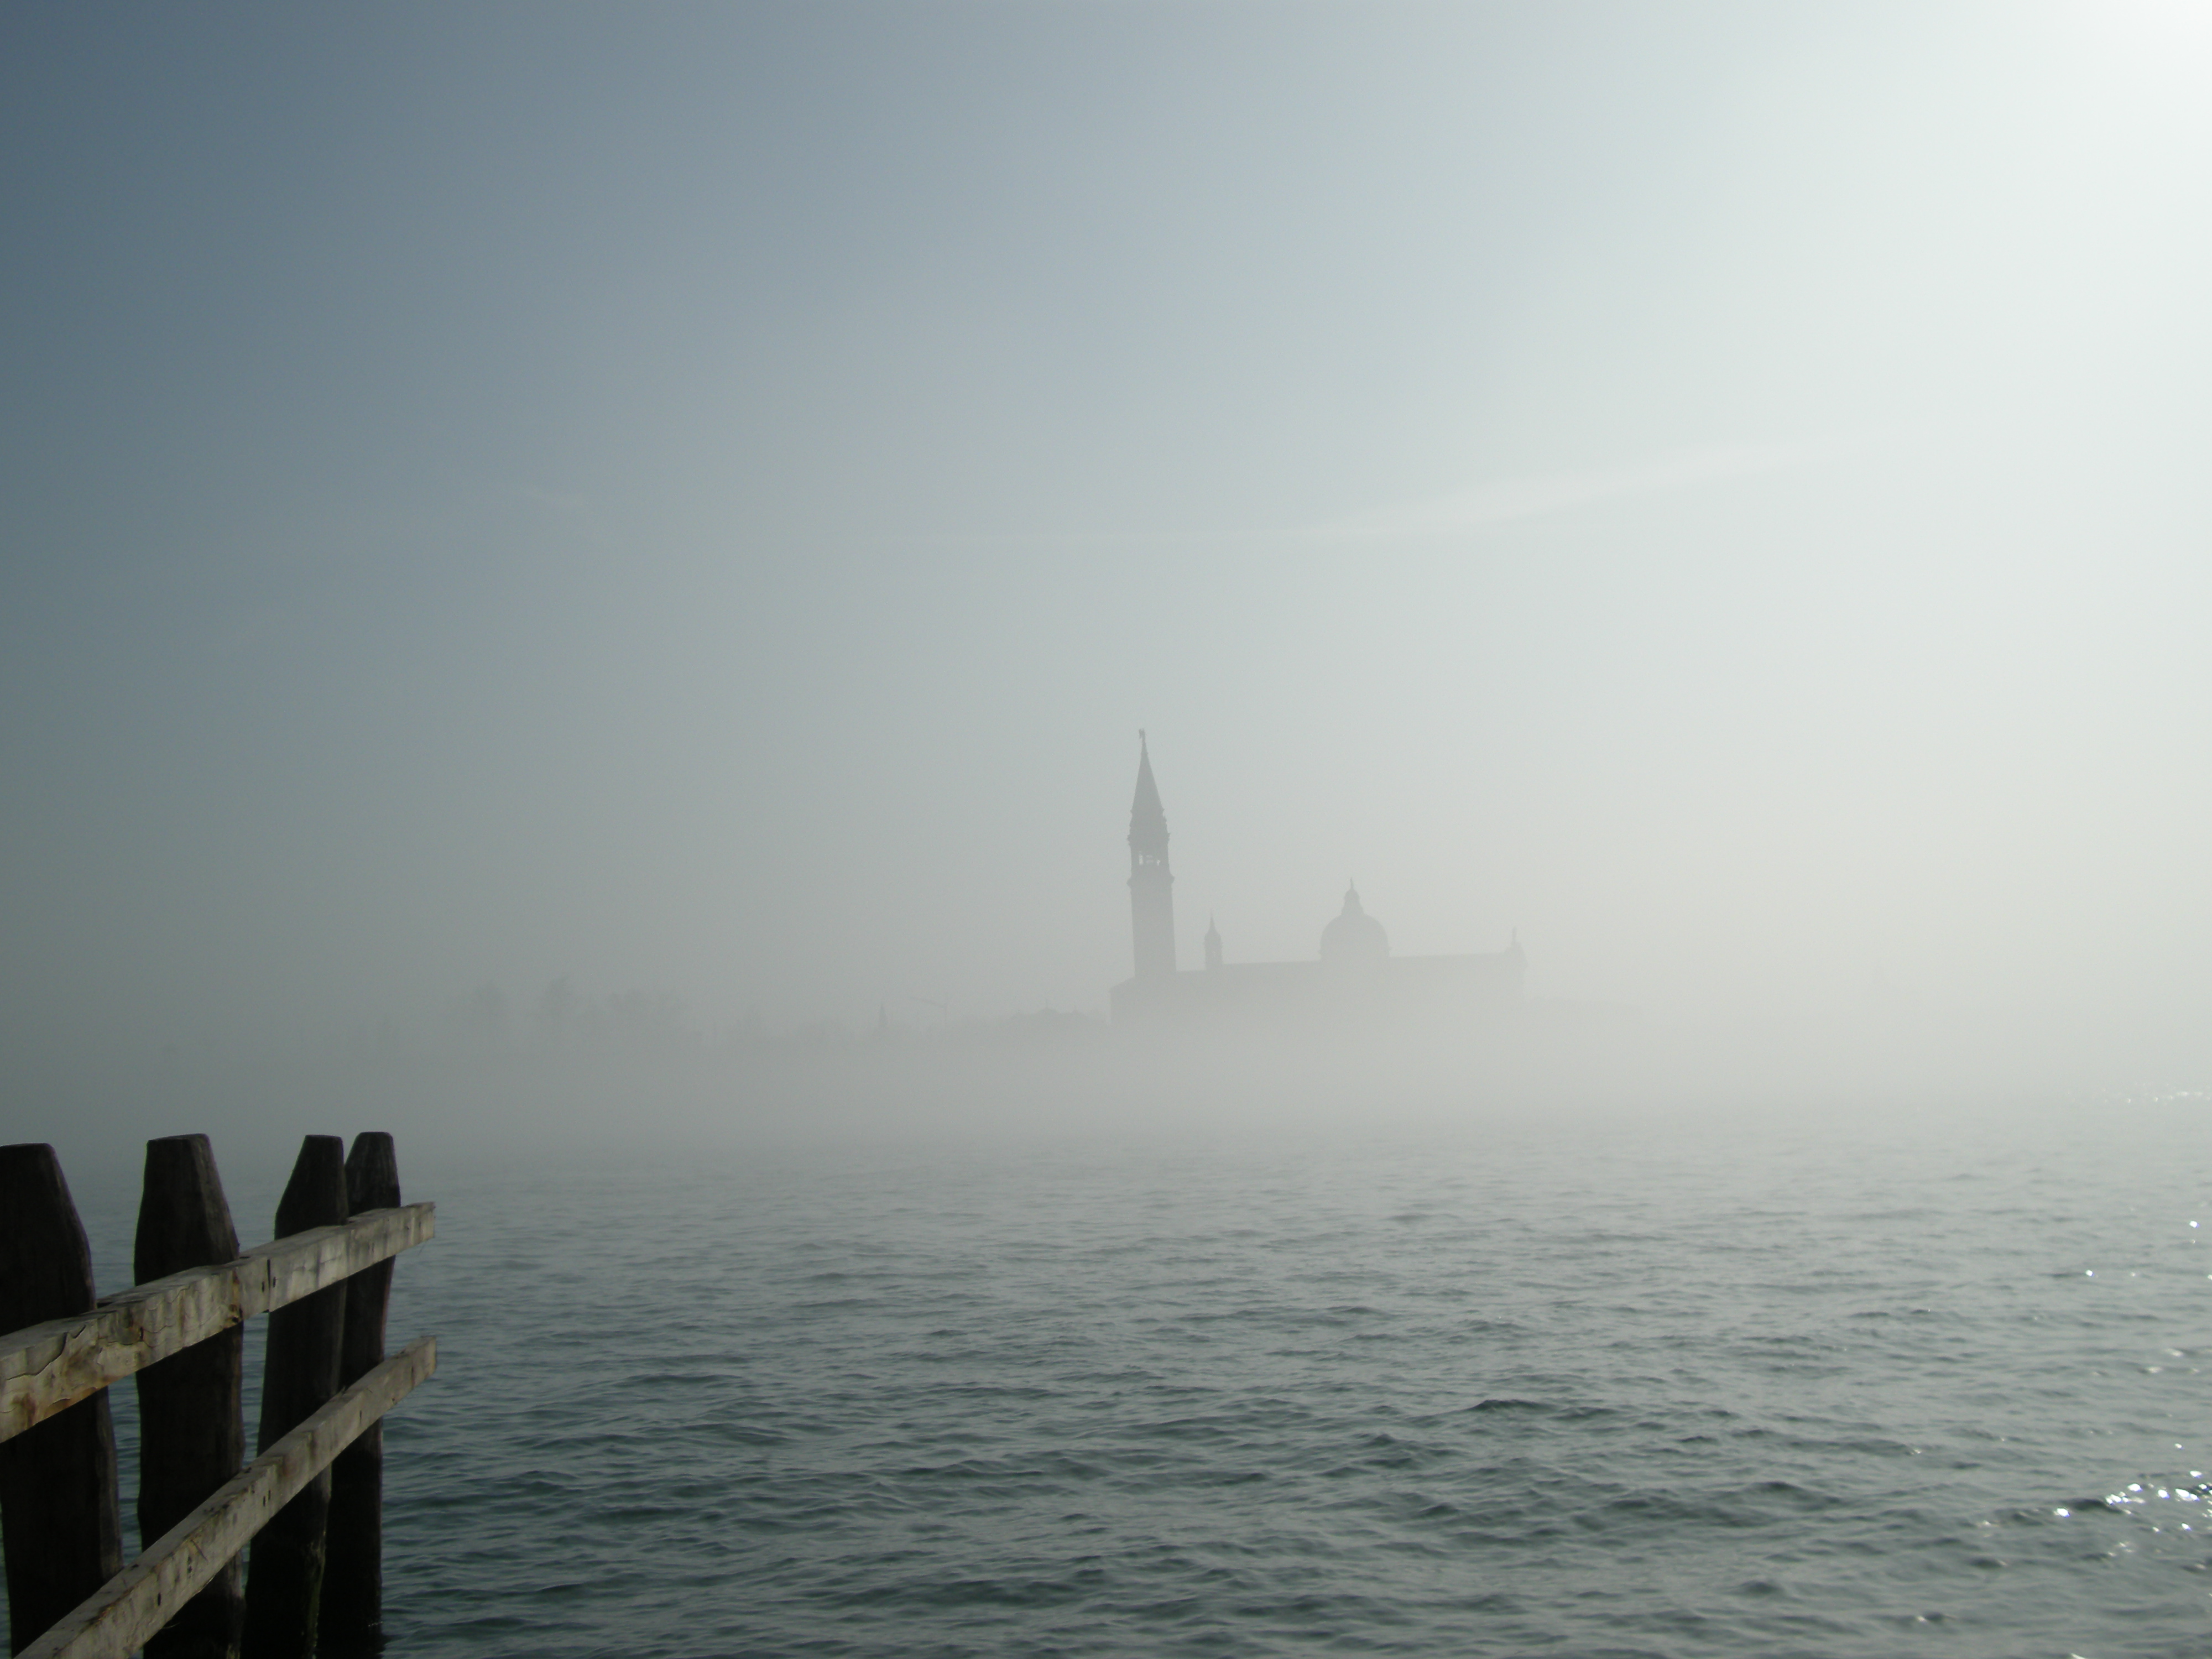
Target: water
pixel 1819 1393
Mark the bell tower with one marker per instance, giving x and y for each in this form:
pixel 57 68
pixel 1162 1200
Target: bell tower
pixel 1151 886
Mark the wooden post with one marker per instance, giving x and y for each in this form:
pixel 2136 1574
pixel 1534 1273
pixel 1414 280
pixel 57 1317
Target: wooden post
pixel 59 1510
pixel 285 1579
pixel 191 1429
pixel 353 1583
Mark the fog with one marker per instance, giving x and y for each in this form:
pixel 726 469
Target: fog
pixel 584 571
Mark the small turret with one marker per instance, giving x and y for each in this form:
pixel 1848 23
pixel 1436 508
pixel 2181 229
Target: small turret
pixel 1213 943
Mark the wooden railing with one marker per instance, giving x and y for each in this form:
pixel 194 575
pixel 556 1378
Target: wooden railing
pixel 311 1504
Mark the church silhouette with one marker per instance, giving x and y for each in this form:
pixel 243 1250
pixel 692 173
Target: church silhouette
pixel 1353 977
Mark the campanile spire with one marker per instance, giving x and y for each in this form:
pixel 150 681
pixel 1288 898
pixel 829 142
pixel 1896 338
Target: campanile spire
pixel 1151 884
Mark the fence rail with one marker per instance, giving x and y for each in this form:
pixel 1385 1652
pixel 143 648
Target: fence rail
pixel 131 1606
pixel 310 1504
pixel 48 1367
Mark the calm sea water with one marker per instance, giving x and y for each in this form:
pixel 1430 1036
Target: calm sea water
pixel 1824 1392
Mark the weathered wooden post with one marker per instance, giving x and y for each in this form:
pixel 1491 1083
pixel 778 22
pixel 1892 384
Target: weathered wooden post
pixel 191 1429
pixel 58 1508
pixel 284 1578
pixel 61 1351
pixel 353 1583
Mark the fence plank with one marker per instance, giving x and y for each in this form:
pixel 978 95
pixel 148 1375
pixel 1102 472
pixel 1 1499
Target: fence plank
pixel 121 1617
pixel 352 1617
pixel 48 1367
pixel 192 1430
pixel 284 1577
pixel 58 1511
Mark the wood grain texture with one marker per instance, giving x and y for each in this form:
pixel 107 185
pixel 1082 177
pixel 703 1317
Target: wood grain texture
pixel 49 1365
pixel 124 1613
pixel 58 1511
pixel 284 1575
pixel 351 1620
pixel 192 1430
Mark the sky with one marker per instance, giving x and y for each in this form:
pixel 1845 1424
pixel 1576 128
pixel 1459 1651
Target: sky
pixel 702 501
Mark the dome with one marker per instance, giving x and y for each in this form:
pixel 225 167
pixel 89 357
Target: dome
pixel 1354 936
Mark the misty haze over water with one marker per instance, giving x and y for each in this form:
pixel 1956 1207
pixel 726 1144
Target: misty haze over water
pixel 580 586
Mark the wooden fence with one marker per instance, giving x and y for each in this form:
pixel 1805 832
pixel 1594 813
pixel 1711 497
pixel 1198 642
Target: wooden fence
pixel 313 1496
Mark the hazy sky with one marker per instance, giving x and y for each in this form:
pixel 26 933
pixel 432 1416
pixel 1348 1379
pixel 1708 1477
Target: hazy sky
pixel 703 500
